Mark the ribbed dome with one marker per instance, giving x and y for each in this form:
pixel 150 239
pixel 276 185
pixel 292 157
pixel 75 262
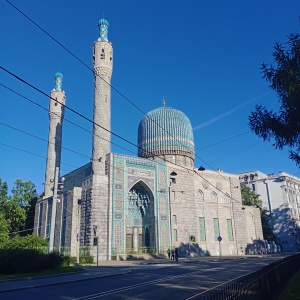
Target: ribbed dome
pixel 165 130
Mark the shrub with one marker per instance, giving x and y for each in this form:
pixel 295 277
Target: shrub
pixel 86 259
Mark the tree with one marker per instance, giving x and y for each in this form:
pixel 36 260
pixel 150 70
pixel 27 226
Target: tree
pixel 284 79
pixel 249 197
pixel 3 229
pixel 15 207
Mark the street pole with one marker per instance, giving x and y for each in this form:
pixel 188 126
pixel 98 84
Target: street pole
pixel 78 231
pixel 97 252
pixel 53 214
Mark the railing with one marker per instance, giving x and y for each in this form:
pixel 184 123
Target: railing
pixel 264 284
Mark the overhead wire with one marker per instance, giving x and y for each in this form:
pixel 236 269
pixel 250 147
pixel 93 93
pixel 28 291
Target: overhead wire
pixel 97 75
pixel 116 90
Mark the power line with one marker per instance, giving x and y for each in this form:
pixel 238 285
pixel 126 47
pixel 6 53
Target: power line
pixel 112 87
pixel 49 35
pixel 222 141
pixel 76 125
pixel 38 155
pixel 36 137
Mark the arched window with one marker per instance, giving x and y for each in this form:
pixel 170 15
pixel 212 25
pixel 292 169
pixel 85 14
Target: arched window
pixel 199 195
pixel 213 197
pixel 226 199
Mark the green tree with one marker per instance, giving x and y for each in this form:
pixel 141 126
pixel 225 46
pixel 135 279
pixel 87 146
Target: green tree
pixel 249 197
pixel 284 78
pixel 15 207
pixel 3 229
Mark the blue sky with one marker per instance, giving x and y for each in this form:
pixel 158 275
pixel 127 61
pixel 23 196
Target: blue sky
pixel 203 57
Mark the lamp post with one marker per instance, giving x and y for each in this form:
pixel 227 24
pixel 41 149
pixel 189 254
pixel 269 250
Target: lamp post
pixel 78 232
pixel 53 213
pixel 172 180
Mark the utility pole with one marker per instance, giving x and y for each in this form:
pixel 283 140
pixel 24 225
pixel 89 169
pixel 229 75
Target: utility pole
pixel 53 214
pixel 78 232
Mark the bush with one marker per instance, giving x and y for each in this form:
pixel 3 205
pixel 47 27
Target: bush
pixel 14 261
pixel 86 259
pixel 25 242
pixel 21 260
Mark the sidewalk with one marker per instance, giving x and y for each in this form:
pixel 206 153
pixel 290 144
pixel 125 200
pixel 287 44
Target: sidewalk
pixel 104 269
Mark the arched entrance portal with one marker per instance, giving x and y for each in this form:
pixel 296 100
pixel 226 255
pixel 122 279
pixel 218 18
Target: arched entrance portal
pixel 140 221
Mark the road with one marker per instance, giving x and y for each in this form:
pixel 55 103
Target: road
pixel 167 280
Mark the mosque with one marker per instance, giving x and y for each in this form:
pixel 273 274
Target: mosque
pixel 117 205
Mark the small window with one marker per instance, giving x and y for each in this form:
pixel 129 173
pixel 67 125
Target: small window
pixel 253 187
pixel 175 235
pixel 174 219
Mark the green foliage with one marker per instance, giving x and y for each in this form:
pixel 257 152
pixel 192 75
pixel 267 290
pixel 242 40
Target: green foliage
pixel 266 221
pixel 3 229
pixel 17 207
pixel 25 242
pixel 14 261
pixel 249 197
pixel 284 79
pixel 86 259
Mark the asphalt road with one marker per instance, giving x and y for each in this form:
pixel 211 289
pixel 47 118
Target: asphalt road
pixel 156 281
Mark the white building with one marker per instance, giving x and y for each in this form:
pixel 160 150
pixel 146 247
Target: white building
pixel 280 195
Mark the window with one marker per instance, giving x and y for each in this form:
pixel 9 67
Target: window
pixel 229 230
pixel 213 197
pixel 175 235
pixel 174 219
pixel 199 195
pixel 226 198
pixel 174 159
pixel 202 229
pixel 49 214
pixel 40 219
pixel 64 219
pixel 253 187
pixel 216 228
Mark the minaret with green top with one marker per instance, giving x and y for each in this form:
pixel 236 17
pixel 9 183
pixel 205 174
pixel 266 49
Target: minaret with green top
pixel 98 206
pixel 56 115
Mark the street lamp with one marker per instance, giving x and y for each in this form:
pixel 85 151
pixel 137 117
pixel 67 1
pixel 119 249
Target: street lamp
pixel 78 231
pixel 172 180
pixel 54 201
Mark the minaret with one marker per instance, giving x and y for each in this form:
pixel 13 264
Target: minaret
pixel 102 66
pixel 56 114
pixel 99 211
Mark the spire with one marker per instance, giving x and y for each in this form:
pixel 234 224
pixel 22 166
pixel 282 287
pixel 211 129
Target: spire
pixel 103 30
pixel 164 102
pixel 58 81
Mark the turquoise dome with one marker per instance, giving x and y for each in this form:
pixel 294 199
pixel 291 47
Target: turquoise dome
pixel 165 131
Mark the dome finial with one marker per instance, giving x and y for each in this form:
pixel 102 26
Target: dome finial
pixel 164 102
pixel 58 81
pixel 103 30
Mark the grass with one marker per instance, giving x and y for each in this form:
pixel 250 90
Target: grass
pixel 292 290
pixel 60 270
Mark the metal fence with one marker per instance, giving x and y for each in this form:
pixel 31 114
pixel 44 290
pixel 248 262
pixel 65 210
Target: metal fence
pixel 264 284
